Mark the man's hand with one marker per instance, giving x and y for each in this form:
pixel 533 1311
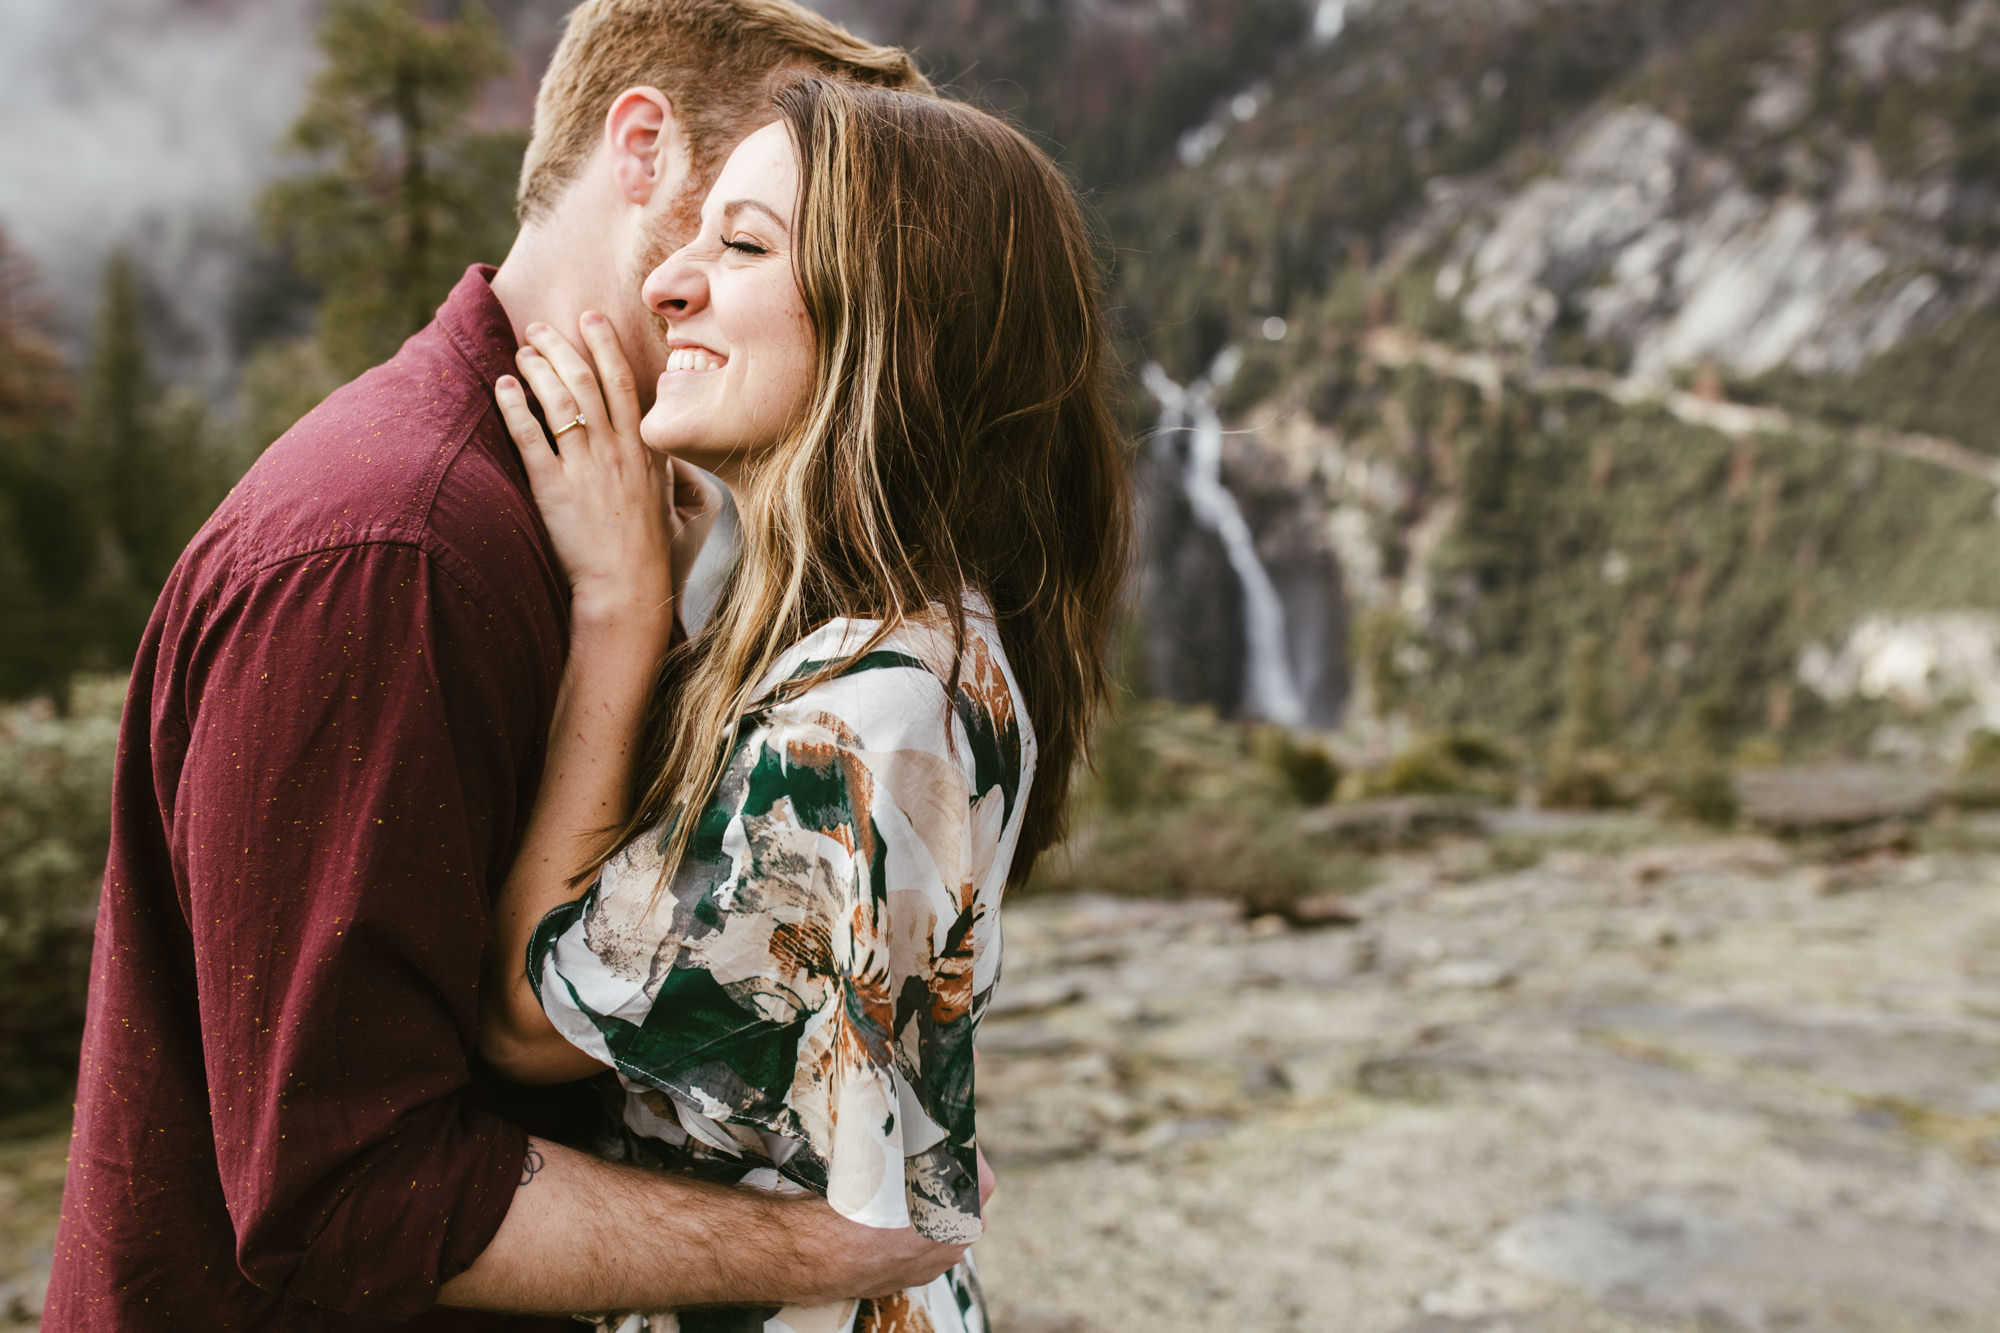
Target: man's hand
pixel 847 1259
pixel 840 1260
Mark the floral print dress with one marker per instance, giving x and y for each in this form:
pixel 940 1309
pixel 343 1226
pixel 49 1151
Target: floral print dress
pixel 796 1010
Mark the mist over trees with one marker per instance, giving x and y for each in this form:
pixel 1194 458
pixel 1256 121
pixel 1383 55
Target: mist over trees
pixel 106 469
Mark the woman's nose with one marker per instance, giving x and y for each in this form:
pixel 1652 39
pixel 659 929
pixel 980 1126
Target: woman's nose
pixel 678 287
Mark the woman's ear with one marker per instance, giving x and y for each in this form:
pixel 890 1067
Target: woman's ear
pixel 648 152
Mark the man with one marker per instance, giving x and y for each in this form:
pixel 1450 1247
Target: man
pixel 335 728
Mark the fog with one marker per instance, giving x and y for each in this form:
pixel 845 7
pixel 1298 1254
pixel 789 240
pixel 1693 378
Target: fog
pixel 152 124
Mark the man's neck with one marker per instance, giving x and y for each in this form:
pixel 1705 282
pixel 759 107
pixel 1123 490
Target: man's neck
pixel 553 274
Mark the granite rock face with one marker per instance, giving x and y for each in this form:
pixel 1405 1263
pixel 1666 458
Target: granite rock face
pixel 1643 244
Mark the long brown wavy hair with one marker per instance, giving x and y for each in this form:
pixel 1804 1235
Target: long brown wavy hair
pixel 958 436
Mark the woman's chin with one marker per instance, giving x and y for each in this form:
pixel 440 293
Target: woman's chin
pixel 666 429
pixel 669 442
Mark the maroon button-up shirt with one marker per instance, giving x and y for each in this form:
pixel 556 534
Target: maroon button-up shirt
pixel 336 723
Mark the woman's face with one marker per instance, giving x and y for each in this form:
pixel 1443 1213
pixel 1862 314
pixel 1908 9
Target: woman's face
pixel 740 363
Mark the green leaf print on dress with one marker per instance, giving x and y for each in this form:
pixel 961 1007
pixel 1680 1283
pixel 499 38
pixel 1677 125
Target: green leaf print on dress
pixel 798 1006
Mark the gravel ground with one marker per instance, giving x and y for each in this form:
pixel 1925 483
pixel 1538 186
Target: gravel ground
pixel 1691 1088
pixel 1688 1087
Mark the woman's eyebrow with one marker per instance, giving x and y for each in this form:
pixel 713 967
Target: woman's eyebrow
pixel 735 206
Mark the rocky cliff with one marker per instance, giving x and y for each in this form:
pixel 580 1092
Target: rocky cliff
pixel 1673 326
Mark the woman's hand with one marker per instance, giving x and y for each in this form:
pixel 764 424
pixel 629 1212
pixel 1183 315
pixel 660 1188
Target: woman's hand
pixel 612 506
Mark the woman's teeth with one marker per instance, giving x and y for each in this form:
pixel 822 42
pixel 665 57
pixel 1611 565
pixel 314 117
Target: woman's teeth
pixel 692 358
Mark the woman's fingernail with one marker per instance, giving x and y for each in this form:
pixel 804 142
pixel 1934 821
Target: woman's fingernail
pixel 534 329
pixel 592 319
pixel 527 352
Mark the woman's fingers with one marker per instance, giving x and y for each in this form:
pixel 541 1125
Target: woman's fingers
pixel 523 429
pixel 577 378
pixel 600 492
pixel 614 376
pixel 559 405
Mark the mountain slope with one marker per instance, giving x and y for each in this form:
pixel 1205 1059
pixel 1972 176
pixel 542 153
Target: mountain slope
pixel 1492 345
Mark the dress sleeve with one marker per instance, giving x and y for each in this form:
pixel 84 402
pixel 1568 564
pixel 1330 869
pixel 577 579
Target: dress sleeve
pixel 810 972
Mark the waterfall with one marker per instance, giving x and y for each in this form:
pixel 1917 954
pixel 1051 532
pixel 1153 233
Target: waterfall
pixel 1329 20
pixel 1189 413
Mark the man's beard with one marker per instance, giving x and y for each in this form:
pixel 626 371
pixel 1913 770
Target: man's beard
pixel 662 235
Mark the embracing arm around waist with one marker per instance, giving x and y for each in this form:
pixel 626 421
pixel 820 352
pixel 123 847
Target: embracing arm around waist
pixel 586 1234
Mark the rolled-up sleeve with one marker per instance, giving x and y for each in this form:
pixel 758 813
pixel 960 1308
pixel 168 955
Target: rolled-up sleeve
pixel 356 770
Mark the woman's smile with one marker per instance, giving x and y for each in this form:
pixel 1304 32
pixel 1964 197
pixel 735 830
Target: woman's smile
pixel 695 359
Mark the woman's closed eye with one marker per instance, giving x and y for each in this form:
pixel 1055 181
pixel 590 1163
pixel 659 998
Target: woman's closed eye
pixel 745 247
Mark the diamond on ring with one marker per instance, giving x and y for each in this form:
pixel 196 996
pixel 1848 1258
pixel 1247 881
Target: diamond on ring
pixel 571 426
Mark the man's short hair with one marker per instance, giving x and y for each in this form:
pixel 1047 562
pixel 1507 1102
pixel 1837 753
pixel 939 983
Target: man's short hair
pixel 719 61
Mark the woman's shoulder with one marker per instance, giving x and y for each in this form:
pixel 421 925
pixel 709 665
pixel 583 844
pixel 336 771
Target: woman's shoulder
pixel 900 690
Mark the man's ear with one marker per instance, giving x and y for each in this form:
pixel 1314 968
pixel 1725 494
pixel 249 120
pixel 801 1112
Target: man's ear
pixel 647 149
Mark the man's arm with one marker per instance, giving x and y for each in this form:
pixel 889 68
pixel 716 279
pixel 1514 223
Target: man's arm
pixel 349 791
pixel 586 1235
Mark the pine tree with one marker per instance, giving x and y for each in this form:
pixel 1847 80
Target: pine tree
pixel 147 477
pixel 118 438
pixel 45 546
pixel 403 194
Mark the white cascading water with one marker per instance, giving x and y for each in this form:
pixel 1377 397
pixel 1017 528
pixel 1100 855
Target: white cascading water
pixel 1272 689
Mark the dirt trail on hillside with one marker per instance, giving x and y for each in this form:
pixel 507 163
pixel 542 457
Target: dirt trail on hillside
pixel 1490 373
pixel 1694 1088
pixel 1701 1087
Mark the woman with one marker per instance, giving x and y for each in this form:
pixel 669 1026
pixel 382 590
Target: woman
pixel 886 341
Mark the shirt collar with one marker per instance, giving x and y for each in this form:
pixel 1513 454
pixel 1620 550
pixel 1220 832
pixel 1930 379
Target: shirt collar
pixel 477 324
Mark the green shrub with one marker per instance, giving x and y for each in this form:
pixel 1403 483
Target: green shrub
pixel 1760 752
pixel 1590 781
pixel 1466 762
pixel 1982 753
pixel 1977 783
pixel 1704 795
pixel 55 825
pixel 1307 768
pixel 1124 770
pixel 1422 770
pixel 1699 784
pixel 1183 804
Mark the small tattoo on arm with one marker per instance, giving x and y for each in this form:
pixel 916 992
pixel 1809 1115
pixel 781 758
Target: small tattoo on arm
pixel 531 1166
